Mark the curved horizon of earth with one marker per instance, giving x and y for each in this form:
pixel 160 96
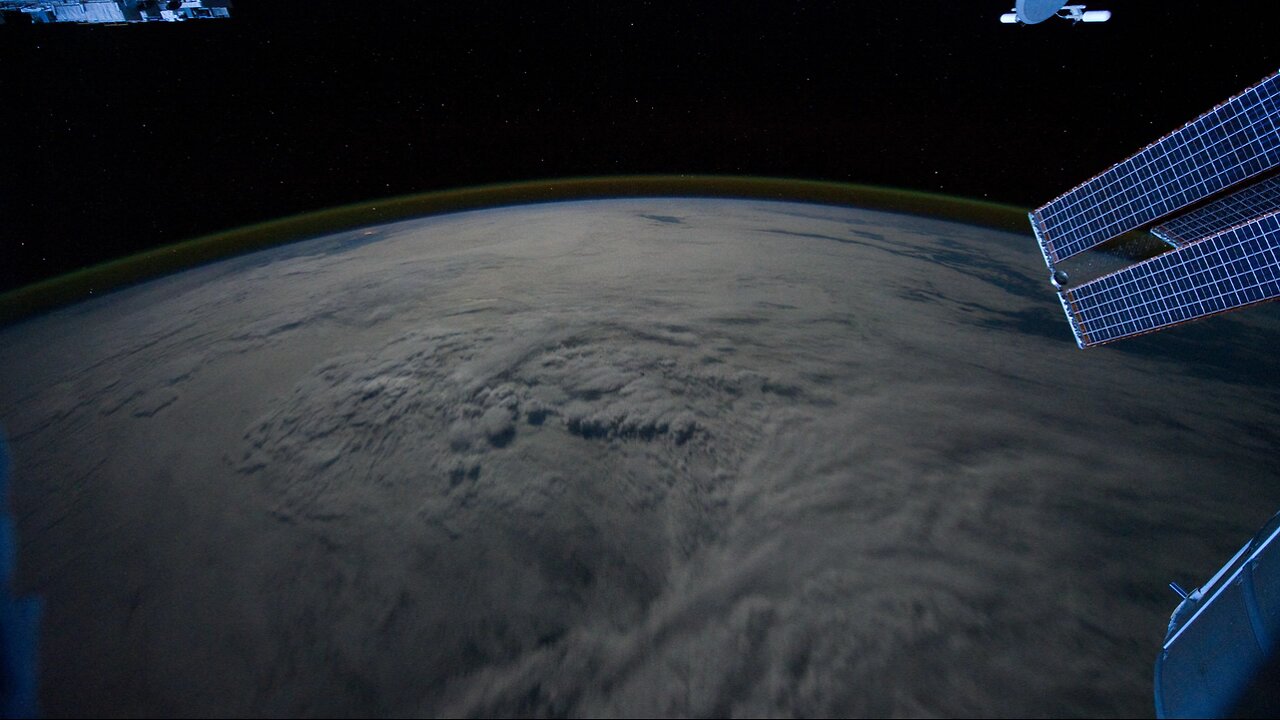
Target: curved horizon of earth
pixel 623 457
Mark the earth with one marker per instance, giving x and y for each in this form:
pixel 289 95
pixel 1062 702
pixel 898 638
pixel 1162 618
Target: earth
pixel 666 456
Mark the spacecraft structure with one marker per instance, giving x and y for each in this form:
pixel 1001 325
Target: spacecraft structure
pixel 1208 192
pixel 1217 658
pixel 114 12
pixel 1032 12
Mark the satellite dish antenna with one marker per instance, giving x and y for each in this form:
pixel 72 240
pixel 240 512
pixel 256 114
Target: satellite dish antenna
pixel 1037 11
pixel 1031 12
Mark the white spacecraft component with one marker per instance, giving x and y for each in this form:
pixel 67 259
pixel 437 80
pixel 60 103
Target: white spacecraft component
pixel 1030 12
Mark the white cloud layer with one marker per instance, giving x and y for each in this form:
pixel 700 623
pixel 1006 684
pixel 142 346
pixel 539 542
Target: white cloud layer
pixel 698 457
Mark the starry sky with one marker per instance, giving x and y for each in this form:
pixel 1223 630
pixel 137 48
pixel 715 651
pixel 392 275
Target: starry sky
pixel 121 139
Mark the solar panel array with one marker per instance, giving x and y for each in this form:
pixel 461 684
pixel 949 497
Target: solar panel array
pixel 1237 267
pixel 1231 143
pixel 1257 199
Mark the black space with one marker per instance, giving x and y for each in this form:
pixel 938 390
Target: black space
pixel 118 139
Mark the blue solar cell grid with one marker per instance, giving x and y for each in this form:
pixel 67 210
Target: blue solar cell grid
pixel 1231 143
pixel 1236 208
pixel 1237 267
